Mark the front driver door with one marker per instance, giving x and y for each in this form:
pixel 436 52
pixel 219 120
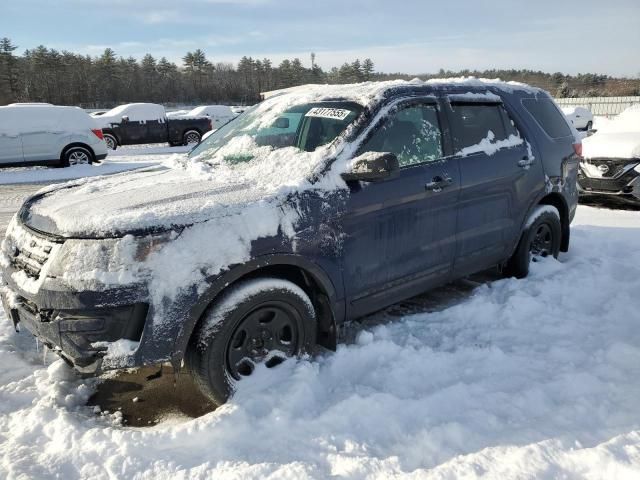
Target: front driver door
pixel 10 142
pixel 400 233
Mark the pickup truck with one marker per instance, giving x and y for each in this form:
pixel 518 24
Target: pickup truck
pixel 138 123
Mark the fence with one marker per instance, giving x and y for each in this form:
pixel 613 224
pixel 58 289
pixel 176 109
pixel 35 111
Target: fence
pixel 608 106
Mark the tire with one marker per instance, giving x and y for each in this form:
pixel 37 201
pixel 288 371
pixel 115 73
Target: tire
pixel 77 156
pixel 589 125
pixel 191 137
pixel 111 141
pixel 541 238
pixel 262 320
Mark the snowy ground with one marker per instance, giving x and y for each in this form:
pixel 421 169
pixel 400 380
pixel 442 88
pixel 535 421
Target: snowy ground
pixel 123 159
pixel 536 378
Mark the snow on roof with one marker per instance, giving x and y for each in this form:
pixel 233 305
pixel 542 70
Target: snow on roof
pixel 367 91
pixel 17 119
pixel 222 110
pixel 135 112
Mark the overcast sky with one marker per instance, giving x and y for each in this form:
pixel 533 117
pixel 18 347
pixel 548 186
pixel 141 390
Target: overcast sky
pixel 408 36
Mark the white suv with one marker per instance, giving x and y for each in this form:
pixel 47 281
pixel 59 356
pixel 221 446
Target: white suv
pixel 48 134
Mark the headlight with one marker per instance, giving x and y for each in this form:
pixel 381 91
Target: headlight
pixel 637 168
pixel 152 243
pixel 107 261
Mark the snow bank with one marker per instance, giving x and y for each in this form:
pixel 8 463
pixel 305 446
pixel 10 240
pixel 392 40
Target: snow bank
pixel 48 175
pixel 533 378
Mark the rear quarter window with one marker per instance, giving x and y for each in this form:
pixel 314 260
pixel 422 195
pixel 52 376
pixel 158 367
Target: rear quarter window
pixel 472 122
pixel 548 116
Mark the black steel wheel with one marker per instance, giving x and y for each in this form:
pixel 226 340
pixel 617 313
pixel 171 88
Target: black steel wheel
pixel 542 238
pixel 260 321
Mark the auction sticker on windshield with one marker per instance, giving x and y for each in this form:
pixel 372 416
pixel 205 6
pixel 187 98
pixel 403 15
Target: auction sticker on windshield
pixel 323 112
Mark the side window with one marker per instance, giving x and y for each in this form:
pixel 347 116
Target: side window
pixel 411 133
pixel 548 116
pixel 474 122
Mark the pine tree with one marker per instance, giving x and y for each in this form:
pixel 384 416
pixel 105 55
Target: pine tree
pixel 8 71
pixel 367 69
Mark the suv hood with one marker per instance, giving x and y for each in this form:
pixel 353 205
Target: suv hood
pixel 153 199
pixel 612 145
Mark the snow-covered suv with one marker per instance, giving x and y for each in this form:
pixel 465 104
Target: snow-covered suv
pixel 260 244
pixel 41 133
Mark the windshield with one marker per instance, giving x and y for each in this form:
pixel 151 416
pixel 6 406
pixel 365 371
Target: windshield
pixel 265 128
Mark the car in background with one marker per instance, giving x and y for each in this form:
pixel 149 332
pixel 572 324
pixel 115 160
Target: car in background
pixel 139 123
pixel 219 114
pixel 259 248
pixel 177 113
pixel 238 109
pixel 581 118
pixel 611 158
pixel 48 135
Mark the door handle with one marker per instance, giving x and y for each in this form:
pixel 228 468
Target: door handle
pixel 526 162
pixel 438 182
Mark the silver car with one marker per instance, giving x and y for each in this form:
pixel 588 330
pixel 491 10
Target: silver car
pixel 49 135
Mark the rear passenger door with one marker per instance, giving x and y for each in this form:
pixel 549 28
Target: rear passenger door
pixel 497 175
pixel 400 233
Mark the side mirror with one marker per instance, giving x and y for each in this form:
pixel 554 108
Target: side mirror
pixel 281 122
pixel 372 167
pixel 125 119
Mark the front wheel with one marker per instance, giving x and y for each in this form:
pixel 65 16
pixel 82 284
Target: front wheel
pixel 589 125
pixel 191 137
pixel 541 238
pixel 264 320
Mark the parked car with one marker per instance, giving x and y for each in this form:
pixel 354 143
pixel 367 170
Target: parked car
pixel 219 114
pixel 581 118
pixel 48 135
pixel 177 113
pixel 259 248
pixel 611 164
pixel 138 123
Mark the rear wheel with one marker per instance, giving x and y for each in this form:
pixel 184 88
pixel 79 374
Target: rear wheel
pixel 191 137
pixel 265 320
pixel 76 156
pixel 589 125
pixel 111 141
pixel 541 238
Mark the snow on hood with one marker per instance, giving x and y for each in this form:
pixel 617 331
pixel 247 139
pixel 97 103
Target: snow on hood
pixel 151 198
pixel 612 145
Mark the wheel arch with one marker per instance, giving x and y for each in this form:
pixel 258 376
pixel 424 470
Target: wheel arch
pixel 300 271
pixel 191 129
pixel 557 200
pixel 109 131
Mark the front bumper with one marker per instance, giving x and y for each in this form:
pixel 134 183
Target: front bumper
pixel 618 177
pixel 71 333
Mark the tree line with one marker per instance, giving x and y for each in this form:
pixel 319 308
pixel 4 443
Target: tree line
pixel 45 74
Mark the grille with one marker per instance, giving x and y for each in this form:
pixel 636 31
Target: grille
pixel 31 254
pixel 616 166
pixel 607 184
